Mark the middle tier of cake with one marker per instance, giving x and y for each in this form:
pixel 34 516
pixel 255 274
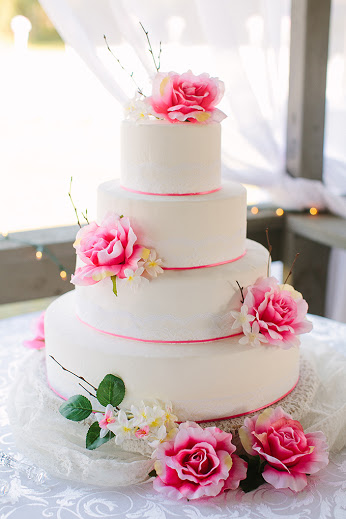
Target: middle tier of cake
pixel 180 305
pixel 185 231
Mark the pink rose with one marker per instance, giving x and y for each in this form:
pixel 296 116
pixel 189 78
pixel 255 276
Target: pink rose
pixel 187 97
pixel 198 463
pixel 279 312
pixel 38 342
pixel 289 452
pixel 107 250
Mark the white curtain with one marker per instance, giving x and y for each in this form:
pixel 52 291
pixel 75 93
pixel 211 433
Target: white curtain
pixel 246 44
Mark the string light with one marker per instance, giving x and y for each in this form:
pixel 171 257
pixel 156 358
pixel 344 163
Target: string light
pixel 279 211
pixel 254 210
pixel 40 250
pixel 313 211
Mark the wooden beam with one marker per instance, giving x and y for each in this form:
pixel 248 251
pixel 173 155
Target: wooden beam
pixel 324 229
pixel 307 86
pixel 22 277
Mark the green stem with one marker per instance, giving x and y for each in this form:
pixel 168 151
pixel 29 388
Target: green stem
pixel 74 207
pixel 150 48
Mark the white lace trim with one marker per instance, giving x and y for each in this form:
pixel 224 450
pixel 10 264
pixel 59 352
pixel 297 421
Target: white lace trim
pixel 57 445
pixel 185 178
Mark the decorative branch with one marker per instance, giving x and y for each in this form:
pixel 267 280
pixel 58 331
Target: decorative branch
pixel 74 374
pixel 241 293
pixel 159 57
pixel 85 389
pixel 74 207
pixel 291 269
pixel 85 216
pixel 139 90
pixel 150 48
pixel 270 248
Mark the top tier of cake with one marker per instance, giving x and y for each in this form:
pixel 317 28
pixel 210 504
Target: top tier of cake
pixel 165 158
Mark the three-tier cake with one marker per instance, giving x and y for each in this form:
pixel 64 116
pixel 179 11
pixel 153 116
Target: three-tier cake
pixel 174 338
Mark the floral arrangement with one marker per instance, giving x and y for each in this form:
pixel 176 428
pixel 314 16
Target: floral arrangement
pixel 176 98
pixel 111 250
pixel 180 98
pixel 192 462
pixel 38 342
pixel 271 314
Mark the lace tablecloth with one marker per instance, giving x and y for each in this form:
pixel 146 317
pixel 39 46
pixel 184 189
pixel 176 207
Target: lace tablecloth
pixel 324 497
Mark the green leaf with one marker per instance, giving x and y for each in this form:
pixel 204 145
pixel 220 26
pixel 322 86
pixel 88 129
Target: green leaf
pixel 77 408
pixel 254 477
pixel 111 390
pixel 152 474
pixel 93 439
pixel 114 281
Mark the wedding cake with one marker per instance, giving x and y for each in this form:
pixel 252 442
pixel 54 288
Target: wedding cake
pixel 167 283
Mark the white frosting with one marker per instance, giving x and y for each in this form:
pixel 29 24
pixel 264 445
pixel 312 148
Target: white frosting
pixel 163 157
pixel 203 381
pixel 177 305
pixel 185 231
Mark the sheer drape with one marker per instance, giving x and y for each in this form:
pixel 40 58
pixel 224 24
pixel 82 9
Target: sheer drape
pixel 244 43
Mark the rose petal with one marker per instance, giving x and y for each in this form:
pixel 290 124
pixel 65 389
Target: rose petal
pixel 279 479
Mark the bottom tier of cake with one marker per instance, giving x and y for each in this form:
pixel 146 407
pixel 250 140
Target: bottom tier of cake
pixel 204 381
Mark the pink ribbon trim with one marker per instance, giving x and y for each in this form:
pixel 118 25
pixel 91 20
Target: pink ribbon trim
pixel 170 194
pixel 210 419
pixel 55 391
pixel 206 266
pixel 156 341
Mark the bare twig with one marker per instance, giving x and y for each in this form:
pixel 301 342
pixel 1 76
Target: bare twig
pixel 159 57
pixel 85 216
pixel 74 374
pixel 291 269
pixel 150 47
pixel 85 389
pixel 270 248
pixel 74 207
pixel 139 90
pixel 241 292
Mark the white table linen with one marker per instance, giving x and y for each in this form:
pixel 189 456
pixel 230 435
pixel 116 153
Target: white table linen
pixel 324 497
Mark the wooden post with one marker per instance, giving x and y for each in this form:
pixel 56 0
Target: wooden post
pixel 307 87
pixel 305 134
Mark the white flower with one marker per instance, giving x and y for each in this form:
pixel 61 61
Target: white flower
pixel 141 414
pixel 158 437
pixel 242 319
pixel 105 420
pixel 134 278
pixel 138 109
pixel 123 428
pixel 168 416
pixel 153 265
pixel 253 337
pixel 153 416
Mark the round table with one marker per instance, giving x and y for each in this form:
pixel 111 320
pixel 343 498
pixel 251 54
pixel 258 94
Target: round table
pixel 324 497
